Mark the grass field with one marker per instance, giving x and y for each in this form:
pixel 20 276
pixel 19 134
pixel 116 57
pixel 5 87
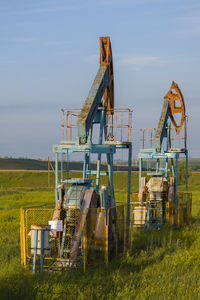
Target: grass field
pixel 7 163
pixel 162 264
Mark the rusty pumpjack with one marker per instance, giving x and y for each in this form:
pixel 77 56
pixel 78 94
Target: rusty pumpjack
pixel 74 196
pixel 160 187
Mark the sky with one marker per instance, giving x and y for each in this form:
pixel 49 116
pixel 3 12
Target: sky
pixel 49 56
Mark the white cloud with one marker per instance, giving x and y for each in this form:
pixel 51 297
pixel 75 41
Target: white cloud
pixel 48 8
pixel 133 60
pixel 60 6
pixel 58 43
pixel 132 2
pixel 67 52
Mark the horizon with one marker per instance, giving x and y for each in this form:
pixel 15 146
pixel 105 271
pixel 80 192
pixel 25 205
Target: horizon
pixel 103 161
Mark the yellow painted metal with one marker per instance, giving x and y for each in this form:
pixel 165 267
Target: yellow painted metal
pixel 22 237
pixel 84 251
pixel 167 212
pixel 21 234
pixel 116 240
pixel 26 235
pixel 106 240
pixel 125 221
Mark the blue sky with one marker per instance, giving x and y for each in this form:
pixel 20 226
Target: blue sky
pixel 49 55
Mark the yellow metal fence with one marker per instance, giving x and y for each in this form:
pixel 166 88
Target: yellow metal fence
pixel 97 235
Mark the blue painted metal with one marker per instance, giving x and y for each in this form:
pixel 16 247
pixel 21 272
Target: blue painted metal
pixel 157 165
pixel 140 170
pixel 77 180
pixel 161 131
pixel 186 153
pixel 129 173
pixel 85 165
pixel 110 176
pixel 35 249
pixel 172 166
pixel 87 148
pixel 93 172
pixel 61 166
pixel 56 176
pixel 42 250
pixel 176 183
pixel 102 125
pixel 67 163
pixel 76 193
pixel 166 167
pixel 92 104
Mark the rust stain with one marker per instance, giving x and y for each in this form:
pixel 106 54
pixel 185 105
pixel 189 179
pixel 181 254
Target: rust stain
pixel 175 95
pixel 106 59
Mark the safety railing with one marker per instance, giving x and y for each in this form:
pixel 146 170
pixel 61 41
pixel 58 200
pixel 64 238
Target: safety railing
pixel 178 141
pixel 181 214
pixel 147 136
pixel 69 123
pixel 119 124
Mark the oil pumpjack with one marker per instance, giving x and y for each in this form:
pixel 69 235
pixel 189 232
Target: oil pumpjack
pixel 74 196
pixel 157 183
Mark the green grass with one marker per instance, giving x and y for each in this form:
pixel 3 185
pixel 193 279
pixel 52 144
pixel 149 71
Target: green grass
pixel 22 180
pixel 161 265
pixel 8 163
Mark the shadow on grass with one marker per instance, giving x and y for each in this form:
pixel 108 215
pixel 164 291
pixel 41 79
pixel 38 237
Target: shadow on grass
pixel 148 248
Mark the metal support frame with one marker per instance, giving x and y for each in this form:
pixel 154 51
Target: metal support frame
pixel 186 170
pixel 176 183
pixel 162 153
pixel 35 249
pixel 129 172
pixel 109 149
pixel 140 171
pixel 102 125
pixel 56 176
pixel 110 176
pixel 41 249
pixel 104 146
